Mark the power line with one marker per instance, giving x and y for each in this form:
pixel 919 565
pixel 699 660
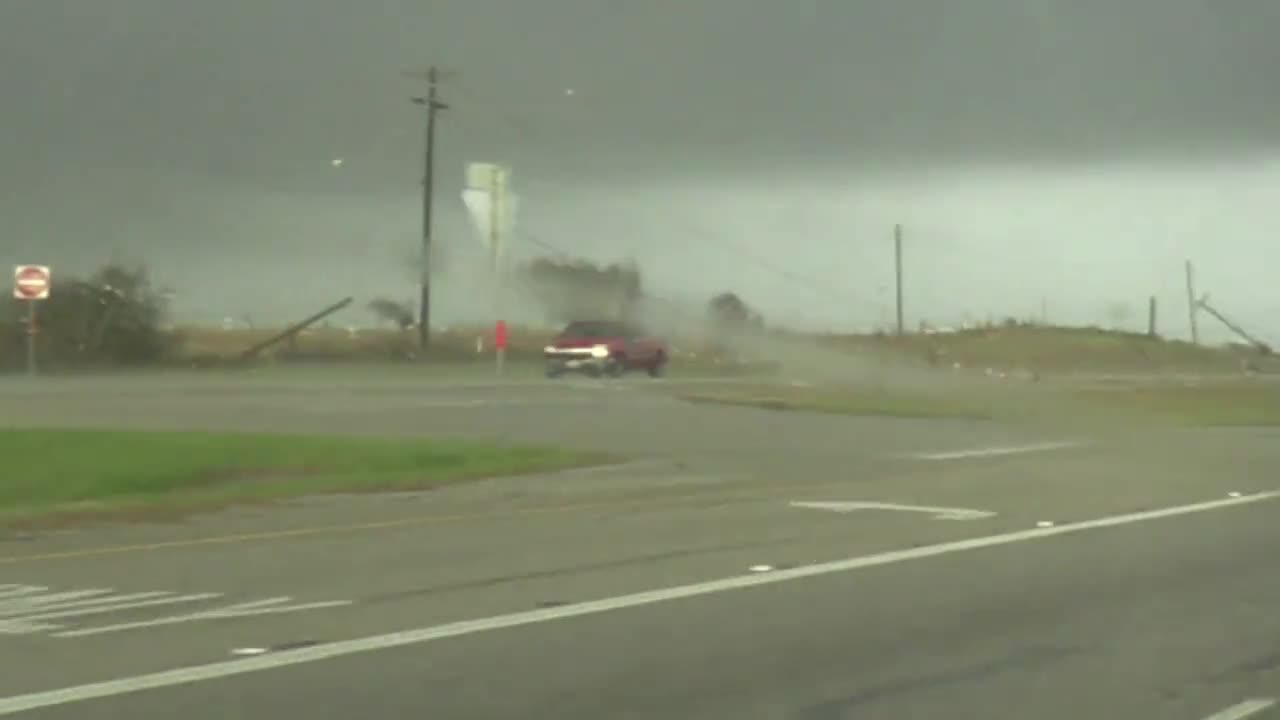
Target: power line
pixel 525 128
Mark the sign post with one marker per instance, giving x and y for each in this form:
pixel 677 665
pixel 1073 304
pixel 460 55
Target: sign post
pixel 31 284
pixel 500 343
pixel 497 210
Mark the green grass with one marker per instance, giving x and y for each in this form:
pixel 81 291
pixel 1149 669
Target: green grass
pixel 872 403
pixel 91 472
pixel 1221 404
pixel 1206 405
pixel 1062 349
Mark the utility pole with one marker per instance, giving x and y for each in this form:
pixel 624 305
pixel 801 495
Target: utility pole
pixel 1192 303
pixel 897 263
pixel 433 105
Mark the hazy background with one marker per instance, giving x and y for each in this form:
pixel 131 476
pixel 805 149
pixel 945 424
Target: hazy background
pixel 1059 156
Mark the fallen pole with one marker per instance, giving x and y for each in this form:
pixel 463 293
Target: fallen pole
pixel 294 329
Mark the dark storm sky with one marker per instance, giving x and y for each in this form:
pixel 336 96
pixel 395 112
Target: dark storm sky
pixel 201 134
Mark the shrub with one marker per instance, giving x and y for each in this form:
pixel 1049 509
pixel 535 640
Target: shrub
pixel 114 317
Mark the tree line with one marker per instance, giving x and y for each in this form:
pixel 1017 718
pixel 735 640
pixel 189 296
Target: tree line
pixel 117 316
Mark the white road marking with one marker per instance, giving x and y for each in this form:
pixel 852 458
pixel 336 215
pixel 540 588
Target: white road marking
pixel 32 623
pixel 27 609
pixel 9 591
pixel 258 607
pixel 1245 709
pixel 939 513
pixel 38 602
pixel 95 601
pixel 996 451
pixel 285 658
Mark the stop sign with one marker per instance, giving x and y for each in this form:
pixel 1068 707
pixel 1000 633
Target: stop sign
pixel 31 282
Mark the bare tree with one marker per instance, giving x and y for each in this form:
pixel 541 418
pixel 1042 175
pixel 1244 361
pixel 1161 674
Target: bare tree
pixel 398 313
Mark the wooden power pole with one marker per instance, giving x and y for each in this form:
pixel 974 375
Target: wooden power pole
pixel 897 264
pixel 1193 304
pixel 433 105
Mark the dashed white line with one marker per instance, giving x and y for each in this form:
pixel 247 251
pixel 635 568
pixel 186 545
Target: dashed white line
pixel 996 451
pixel 285 658
pixel 1246 709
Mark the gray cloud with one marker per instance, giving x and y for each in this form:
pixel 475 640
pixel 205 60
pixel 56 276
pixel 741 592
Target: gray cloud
pixel 246 87
pixel 200 134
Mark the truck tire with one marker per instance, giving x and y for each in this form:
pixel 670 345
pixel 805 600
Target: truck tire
pixel 659 366
pixel 617 366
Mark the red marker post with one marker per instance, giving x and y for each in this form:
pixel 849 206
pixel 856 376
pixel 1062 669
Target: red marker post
pixel 500 343
pixel 31 284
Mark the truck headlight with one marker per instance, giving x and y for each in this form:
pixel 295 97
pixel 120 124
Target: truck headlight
pixel 600 351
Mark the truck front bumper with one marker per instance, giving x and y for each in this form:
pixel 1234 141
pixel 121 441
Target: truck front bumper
pixel 576 362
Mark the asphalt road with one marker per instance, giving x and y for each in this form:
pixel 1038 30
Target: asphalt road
pixel 1169 618
pixel 1159 618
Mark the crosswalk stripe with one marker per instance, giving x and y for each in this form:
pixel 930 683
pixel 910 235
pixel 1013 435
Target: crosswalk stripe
pixel 9 591
pixel 9 608
pixel 97 601
pixel 35 623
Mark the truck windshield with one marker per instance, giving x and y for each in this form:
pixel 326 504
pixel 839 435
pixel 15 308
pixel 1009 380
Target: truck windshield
pixel 593 330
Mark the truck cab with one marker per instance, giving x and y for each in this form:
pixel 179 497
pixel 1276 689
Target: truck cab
pixel 604 347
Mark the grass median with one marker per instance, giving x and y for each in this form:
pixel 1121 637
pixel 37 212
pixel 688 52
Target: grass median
pixel 1213 404
pixel 1210 404
pixel 871 403
pixel 86 473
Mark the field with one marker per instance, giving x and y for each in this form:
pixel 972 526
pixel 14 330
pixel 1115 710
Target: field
pixel 976 374
pixel 1042 350
pixel 1027 350
pixel 211 347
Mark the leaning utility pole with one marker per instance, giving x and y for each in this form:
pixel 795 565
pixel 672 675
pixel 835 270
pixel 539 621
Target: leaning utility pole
pixel 433 106
pixel 1239 331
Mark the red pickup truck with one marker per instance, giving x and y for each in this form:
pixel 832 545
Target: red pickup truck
pixel 604 347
